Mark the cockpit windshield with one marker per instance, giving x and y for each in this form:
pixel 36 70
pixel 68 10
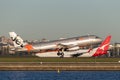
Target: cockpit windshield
pixel 97 37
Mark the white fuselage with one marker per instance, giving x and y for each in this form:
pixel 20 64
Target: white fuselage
pixel 84 53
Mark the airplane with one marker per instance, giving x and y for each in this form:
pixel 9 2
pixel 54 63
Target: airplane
pixel 61 46
pixel 101 50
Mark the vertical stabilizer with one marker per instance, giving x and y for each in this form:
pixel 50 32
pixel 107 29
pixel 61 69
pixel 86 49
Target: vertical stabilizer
pixel 17 40
pixel 103 48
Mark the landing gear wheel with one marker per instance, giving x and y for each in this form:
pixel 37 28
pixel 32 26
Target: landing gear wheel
pixel 62 55
pixel 58 53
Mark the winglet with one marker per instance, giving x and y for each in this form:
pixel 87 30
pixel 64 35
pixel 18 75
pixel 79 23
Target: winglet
pixel 103 48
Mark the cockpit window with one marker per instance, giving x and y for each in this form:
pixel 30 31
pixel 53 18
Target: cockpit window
pixel 96 37
pixel 77 38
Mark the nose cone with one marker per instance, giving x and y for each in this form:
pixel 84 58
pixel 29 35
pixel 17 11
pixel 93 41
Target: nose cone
pixel 99 40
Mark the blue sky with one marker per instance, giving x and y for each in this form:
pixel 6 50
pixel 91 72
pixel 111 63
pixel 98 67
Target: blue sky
pixel 53 19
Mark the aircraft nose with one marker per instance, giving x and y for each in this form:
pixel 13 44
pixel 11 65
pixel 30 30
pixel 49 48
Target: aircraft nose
pixel 99 40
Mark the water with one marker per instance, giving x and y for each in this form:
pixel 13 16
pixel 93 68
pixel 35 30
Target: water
pixel 63 75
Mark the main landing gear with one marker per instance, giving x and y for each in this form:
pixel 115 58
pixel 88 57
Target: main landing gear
pixel 61 52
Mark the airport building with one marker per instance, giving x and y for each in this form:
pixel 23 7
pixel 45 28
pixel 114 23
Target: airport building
pixel 115 51
pixel 5 45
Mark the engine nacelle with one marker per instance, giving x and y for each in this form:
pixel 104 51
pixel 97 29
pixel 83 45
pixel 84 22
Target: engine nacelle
pixel 73 48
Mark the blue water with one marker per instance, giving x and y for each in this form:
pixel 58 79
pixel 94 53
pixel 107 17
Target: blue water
pixel 63 75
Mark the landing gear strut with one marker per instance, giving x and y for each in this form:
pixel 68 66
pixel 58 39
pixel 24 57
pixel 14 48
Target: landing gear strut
pixel 61 52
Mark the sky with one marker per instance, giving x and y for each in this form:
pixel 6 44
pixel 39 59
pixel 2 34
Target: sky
pixel 54 19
